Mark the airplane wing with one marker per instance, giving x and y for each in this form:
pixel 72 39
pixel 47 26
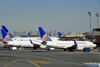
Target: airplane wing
pixel 35 43
pixel 74 46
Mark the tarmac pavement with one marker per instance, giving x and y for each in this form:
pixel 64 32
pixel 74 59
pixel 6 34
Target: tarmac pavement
pixel 42 58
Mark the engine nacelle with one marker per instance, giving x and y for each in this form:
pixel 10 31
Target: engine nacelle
pixel 80 48
pixel 43 46
pixel 48 48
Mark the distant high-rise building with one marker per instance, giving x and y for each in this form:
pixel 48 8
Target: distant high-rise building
pixel 72 33
pixel 80 33
pixel 52 30
pixel 37 32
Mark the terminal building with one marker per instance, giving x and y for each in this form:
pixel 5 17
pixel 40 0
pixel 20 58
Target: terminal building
pixel 94 36
pixel 95 32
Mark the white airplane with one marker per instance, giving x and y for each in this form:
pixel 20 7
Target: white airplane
pixel 9 42
pixel 66 45
pixel 26 38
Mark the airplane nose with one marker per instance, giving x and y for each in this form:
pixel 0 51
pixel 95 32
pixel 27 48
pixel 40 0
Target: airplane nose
pixel 95 45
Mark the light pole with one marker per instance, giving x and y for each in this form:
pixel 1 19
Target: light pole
pixel 97 15
pixel 90 20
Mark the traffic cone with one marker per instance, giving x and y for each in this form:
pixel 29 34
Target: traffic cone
pixel 45 49
pixel 76 51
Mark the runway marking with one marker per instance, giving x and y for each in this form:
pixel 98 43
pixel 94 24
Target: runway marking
pixel 59 60
pixel 34 64
pixel 41 62
pixel 28 60
pixel 71 58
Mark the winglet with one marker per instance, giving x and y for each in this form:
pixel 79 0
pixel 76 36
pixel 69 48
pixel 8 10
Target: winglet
pixel 44 36
pixel 31 41
pixel 75 42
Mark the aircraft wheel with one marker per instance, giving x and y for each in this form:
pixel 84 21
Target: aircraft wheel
pixel 70 49
pixel 84 51
pixel 65 49
pixel 98 49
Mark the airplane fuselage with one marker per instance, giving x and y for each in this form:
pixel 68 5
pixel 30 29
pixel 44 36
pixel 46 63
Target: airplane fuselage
pixel 32 38
pixel 67 44
pixel 20 43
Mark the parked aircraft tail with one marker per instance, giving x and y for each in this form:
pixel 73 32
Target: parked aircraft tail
pixel 28 34
pixel 7 31
pixel 5 36
pixel 59 34
pixel 49 34
pixel 44 36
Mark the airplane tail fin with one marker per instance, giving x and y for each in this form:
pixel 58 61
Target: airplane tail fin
pixel 28 34
pixel 43 35
pixel 59 34
pixel 7 31
pixel 49 34
pixel 5 36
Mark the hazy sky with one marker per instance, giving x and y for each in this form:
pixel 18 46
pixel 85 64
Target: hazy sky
pixel 62 15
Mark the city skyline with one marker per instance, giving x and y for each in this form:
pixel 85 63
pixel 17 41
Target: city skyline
pixel 62 15
pixel 52 32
